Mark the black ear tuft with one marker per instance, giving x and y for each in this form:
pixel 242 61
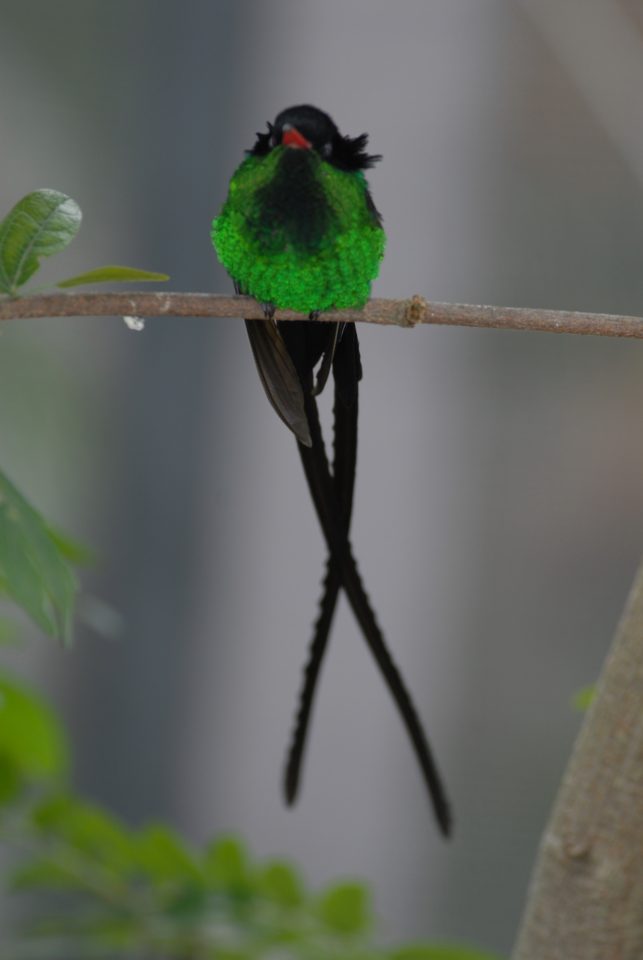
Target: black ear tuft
pixel 262 145
pixel 349 153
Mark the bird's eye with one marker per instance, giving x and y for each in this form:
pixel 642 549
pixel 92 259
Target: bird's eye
pixel 326 150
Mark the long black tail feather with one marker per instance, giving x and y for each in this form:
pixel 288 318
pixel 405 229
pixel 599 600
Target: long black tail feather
pixel 320 482
pixel 347 372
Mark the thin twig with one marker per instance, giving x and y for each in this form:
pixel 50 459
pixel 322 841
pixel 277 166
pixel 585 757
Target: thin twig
pixel 404 313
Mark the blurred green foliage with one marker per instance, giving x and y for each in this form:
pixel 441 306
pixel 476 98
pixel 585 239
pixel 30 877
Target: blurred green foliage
pixel 93 886
pixel 34 566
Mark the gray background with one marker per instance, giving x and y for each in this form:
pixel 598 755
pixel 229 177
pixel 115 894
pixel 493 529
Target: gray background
pixel 498 515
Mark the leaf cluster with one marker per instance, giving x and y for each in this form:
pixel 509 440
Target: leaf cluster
pixel 98 888
pixel 43 223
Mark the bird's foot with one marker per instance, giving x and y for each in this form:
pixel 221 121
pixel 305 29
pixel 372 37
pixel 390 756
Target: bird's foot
pixel 268 310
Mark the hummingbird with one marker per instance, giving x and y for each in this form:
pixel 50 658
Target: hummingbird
pixel 299 230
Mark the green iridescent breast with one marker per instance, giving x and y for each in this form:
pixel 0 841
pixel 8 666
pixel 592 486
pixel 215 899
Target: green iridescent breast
pixel 297 232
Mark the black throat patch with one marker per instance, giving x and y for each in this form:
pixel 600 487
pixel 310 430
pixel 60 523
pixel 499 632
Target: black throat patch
pixel 292 210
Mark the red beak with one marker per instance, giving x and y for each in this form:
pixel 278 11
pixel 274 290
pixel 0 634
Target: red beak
pixel 291 137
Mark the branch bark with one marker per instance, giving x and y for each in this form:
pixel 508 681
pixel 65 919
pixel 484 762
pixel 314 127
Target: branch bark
pixel 586 894
pixel 405 313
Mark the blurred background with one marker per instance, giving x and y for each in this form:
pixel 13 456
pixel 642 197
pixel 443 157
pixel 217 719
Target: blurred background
pixel 498 515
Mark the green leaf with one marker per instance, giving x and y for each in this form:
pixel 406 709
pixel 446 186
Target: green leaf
pixel 422 951
pixel 163 856
pixel 42 223
pixel 42 873
pixel 18 574
pixel 112 274
pixel 11 783
pixel 72 550
pixel 583 699
pixel 226 866
pixel 88 831
pixel 345 908
pixel 33 572
pixel 279 882
pixel 32 744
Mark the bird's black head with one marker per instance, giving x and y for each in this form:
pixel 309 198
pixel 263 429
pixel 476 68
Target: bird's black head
pixel 307 128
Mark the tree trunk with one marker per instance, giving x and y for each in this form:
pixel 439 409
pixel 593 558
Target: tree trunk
pixel 586 895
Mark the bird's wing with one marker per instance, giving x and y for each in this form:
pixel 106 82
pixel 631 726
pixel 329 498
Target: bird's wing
pixel 278 376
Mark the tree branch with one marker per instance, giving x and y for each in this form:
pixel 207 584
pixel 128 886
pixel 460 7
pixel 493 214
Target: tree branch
pixel 587 887
pixel 405 313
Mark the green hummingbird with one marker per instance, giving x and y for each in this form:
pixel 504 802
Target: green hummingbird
pixel 299 231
